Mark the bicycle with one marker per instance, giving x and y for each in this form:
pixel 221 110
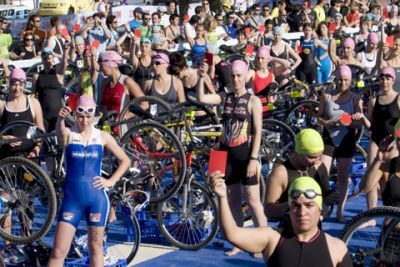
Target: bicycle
pixel 377 245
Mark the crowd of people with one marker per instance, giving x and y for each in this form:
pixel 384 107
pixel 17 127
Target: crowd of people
pixel 338 40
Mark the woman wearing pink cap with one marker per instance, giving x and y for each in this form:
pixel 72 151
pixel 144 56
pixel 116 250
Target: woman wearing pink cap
pixel 19 107
pixel 384 111
pixel 84 188
pixel 241 138
pixel 261 77
pixel 349 54
pixel 340 130
pixel 368 57
pixel 117 89
pixel 390 57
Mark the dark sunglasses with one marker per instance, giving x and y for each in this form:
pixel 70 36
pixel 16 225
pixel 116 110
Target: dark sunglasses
pixel 47 54
pixel 12 81
pixel 266 10
pixel 157 63
pixel 85 110
pixel 309 193
pixel 29 39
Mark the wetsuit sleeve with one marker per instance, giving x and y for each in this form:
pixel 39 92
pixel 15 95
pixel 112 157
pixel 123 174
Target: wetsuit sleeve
pixel 346 262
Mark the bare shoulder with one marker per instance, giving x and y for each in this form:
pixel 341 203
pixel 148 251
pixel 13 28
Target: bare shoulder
pixel 337 248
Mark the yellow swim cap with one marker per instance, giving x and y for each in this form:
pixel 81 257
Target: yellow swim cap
pixel 397 130
pixel 306 183
pixel 308 141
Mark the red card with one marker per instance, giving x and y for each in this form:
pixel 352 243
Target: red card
pixel 64 33
pixel 186 18
pixel 209 58
pixel 299 49
pixel 138 33
pixel 385 14
pixel 261 29
pixel 73 101
pixel 332 27
pixel 346 119
pixel 217 161
pixel 249 49
pixel 390 41
pixel 398 133
pixel 247 31
pixel 96 43
pixel 77 27
pixel 88 48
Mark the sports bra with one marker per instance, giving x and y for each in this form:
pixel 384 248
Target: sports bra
pixel 369 64
pixel 171 96
pixel 283 55
pixel 261 83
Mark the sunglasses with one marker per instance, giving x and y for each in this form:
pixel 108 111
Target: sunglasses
pixel 47 53
pixel 12 81
pixel 85 110
pixel 29 39
pixel 157 63
pixel 266 10
pixel 309 193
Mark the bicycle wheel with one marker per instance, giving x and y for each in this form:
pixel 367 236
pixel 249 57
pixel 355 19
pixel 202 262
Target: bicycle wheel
pixel 154 105
pixel 121 237
pixel 158 154
pixel 378 245
pixel 277 142
pixel 30 200
pixel 303 115
pixel 190 224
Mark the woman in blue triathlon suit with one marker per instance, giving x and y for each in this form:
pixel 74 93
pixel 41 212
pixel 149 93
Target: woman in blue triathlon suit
pixel 84 188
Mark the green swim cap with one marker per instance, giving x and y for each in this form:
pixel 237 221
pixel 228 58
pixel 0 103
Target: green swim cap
pixel 397 129
pixel 305 183
pixel 308 141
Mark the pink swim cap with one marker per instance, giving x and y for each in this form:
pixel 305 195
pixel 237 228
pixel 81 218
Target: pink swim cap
pixel 18 74
pixel 86 102
pixel 373 38
pixel 349 42
pixel 111 59
pixel 240 66
pixel 389 71
pixel 344 71
pixel 264 51
pixel 162 56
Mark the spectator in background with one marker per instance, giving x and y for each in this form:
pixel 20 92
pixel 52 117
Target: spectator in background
pixel 206 6
pixel 307 15
pixel 33 26
pixel 319 10
pixel 137 19
pixel 294 19
pixel 145 28
pixel 281 21
pixel 335 8
pixel 256 19
pixel 230 26
pixel 173 31
pixel 281 6
pixel 171 6
pixel 55 41
pixel 96 30
pixel 5 38
pixel 26 50
pixel 156 22
pixel 199 11
pixel 221 32
pixel 266 12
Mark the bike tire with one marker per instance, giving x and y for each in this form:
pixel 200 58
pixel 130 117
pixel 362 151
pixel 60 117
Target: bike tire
pixel 373 241
pixel 154 166
pixel 33 176
pixel 180 230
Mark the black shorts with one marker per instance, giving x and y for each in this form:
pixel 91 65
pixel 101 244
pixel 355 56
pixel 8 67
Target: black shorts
pixel 347 147
pixel 236 166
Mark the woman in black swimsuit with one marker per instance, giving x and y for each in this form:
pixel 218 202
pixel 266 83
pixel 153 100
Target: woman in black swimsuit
pixel 384 111
pixel 385 170
pixel 142 66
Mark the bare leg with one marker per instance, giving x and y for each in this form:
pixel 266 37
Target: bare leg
pixel 235 204
pixel 344 165
pixel 63 239
pixel 95 243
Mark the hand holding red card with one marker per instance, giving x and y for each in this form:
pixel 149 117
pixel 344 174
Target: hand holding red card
pixel 73 101
pixel 332 27
pixel 138 33
pixel 64 33
pixel 249 49
pixel 217 161
pixel 209 58
pixel 77 27
pixel 261 29
pixel 186 18
pixel 390 41
pixel 247 31
pixel 96 43
pixel 346 119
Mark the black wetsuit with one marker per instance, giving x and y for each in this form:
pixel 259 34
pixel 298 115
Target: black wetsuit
pixel 384 117
pixel 307 70
pixel 49 94
pixel 391 193
pixel 290 252
pixel 143 73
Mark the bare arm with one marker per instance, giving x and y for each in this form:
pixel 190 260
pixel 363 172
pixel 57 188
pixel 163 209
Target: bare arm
pixel 276 185
pixel 38 118
pixel 188 37
pixel 179 89
pixel 63 132
pixel 213 99
pixel 295 56
pixel 256 113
